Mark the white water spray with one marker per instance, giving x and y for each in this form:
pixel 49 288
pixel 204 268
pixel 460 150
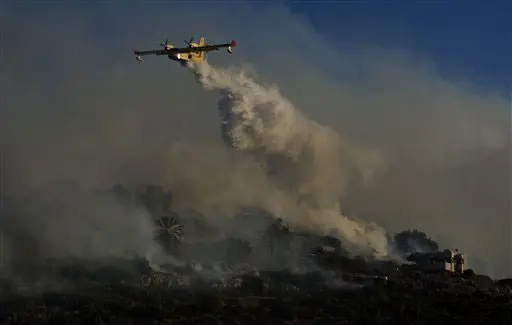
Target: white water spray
pixel 260 121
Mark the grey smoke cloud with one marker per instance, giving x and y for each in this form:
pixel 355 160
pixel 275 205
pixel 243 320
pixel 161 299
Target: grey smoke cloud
pixel 78 107
pixel 63 220
pixel 259 121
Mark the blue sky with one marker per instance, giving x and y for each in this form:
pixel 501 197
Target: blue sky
pixel 465 39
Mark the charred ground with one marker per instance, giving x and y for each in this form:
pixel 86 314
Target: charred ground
pixel 228 284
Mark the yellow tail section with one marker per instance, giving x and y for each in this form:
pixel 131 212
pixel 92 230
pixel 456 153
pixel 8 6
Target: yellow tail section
pixel 201 54
pixel 198 56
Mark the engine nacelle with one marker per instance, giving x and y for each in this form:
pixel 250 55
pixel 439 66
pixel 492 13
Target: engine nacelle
pixel 231 46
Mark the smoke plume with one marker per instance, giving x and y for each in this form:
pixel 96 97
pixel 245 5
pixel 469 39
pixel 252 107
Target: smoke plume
pixel 92 224
pixel 77 106
pixel 305 157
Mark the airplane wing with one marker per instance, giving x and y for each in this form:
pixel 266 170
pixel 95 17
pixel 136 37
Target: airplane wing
pixel 205 48
pixel 155 52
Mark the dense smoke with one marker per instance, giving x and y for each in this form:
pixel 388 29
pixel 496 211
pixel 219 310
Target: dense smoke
pixel 305 156
pixel 80 108
pixel 92 224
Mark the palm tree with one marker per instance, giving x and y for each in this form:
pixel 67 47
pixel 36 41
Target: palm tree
pixel 169 232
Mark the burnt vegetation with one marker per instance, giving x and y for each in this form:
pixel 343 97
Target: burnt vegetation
pixel 221 280
pixel 414 241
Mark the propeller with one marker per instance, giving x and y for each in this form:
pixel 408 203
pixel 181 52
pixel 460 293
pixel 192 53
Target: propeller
pixel 189 42
pixel 165 44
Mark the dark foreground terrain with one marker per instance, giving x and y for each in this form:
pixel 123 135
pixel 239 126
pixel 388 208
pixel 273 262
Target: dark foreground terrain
pixel 348 290
pixel 108 296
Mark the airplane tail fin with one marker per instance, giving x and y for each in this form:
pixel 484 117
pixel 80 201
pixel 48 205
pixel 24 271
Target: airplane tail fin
pixel 201 43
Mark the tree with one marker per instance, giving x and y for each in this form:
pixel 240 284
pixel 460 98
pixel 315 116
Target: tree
pixel 156 200
pixel 236 250
pixel 169 233
pixel 121 193
pixel 414 241
pixel 278 234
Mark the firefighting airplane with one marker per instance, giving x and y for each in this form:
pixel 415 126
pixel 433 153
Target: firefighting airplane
pixel 194 52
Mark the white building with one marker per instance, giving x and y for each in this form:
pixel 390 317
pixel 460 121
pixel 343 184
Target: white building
pixel 459 262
